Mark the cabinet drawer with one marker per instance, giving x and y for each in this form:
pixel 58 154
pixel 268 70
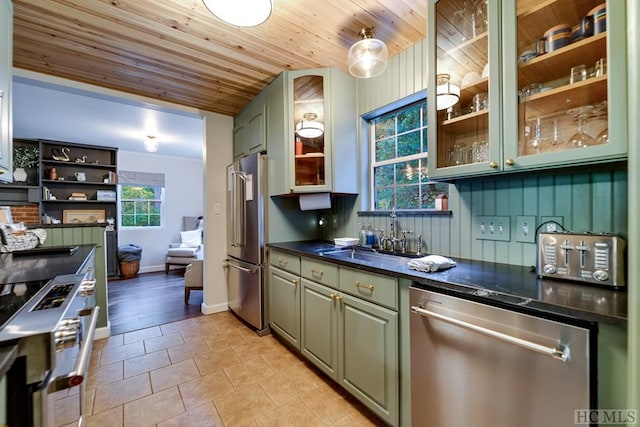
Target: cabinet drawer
pixel 285 261
pixel 370 286
pixel 320 272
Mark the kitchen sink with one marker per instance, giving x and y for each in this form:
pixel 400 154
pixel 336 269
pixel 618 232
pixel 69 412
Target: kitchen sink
pixel 367 256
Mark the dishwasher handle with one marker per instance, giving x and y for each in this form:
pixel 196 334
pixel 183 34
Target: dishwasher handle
pixel 560 352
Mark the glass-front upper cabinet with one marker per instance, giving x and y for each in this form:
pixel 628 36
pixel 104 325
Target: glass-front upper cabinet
pixel 565 69
pixel 525 84
pixel 465 87
pixel 310 166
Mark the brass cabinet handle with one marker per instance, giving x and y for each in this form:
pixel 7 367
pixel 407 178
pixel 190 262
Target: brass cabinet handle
pixel 317 272
pixel 339 298
pixel 333 296
pixel 368 287
pixel 510 162
pixel 282 262
pixel 1 171
pixel 294 281
pixel 493 165
pixel 336 297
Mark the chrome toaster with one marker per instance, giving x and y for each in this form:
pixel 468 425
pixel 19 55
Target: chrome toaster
pixel 584 257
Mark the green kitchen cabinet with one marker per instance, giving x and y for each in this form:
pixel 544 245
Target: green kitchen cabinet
pixel 368 351
pixel 249 135
pixel 6 61
pixel 518 106
pixel 319 327
pixel 312 132
pixel 284 297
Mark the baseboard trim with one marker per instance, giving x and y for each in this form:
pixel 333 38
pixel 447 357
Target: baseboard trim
pixel 217 308
pixel 104 332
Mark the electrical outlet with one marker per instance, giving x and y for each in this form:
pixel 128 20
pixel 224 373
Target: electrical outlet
pixel 492 228
pixel 550 226
pixel 525 229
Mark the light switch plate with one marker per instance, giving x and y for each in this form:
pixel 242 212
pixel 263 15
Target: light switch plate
pixel 525 229
pixel 492 228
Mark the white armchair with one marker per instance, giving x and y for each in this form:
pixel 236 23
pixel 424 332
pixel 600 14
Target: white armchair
pixel 189 249
pixel 193 278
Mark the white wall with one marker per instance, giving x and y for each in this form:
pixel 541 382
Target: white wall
pixel 184 196
pixel 218 131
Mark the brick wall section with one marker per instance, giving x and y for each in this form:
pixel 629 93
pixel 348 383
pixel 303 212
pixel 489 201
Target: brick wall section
pixel 29 214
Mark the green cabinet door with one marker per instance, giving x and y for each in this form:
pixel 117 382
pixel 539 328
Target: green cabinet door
pixel 319 340
pixel 284 302
pixel 256 135
pixel 240 136
pixel 368 348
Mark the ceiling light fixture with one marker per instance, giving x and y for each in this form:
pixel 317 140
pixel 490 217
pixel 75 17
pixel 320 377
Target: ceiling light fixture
pixel 447 94
pixel 241 13
pixel 308 127
pixel 367 57
pixel 150 144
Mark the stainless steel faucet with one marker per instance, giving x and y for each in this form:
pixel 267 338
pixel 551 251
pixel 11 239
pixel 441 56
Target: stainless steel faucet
pixel 403 241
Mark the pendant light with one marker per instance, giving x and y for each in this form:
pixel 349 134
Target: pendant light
pixel 367 57
pixel 150 144
pixel 447 94
pixel 308 127
pixel 241 13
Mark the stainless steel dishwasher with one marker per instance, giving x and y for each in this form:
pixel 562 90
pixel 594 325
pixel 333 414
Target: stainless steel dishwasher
pixel 478 365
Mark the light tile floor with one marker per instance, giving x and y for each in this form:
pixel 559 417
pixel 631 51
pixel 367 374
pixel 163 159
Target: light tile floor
pixel 207 371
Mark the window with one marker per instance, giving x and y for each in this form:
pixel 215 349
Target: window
pixel 399 160
pixel 141 199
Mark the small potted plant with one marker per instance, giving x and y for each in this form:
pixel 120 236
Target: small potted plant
pixel 24 157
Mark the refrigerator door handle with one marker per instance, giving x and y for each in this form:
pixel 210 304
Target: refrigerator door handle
pixel 238 230
pixel 237 267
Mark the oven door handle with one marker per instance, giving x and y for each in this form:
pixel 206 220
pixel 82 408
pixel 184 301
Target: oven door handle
pixel 560 352
pixel 76 376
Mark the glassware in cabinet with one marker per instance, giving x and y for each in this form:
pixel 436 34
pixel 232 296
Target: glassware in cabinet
pixel 565 100
pixel 462 53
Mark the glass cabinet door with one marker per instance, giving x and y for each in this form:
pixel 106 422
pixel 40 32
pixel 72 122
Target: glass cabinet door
pixel 465 96
pixel 562 91
pixel 309 153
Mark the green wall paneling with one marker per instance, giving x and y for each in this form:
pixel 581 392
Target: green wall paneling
pixel 87 236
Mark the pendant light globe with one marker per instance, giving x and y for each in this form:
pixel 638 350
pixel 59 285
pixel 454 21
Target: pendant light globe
pixel 367 57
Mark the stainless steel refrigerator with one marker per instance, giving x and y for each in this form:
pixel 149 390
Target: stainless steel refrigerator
pixel 246 189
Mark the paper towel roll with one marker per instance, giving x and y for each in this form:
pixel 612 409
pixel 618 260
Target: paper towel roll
pixel 310 202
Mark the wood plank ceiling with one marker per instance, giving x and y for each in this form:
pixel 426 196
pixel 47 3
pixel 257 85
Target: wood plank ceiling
pixel 177 51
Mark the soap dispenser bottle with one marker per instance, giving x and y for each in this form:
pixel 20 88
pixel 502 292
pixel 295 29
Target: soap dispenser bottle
pixel 371 236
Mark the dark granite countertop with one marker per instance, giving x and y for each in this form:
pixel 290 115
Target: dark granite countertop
pixel 41 266
pixel 505 285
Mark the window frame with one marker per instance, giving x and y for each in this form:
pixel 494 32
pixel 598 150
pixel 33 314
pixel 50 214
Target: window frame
pixel 397 108
pixel 122 200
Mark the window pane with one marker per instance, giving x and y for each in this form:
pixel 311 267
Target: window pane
pixel 408 172
pixel 429 193
pixel 407 197
pixel 386 149
pixel 141 206
pixel 403 184
pixel 385 126
pixel 384 198
pixel 409 143
pixel 384 175
pixel 409 119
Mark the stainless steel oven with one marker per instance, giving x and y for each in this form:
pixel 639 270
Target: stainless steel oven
pixel 51 326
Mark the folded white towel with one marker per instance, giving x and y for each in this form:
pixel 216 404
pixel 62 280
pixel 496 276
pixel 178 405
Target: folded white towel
pixel 431 263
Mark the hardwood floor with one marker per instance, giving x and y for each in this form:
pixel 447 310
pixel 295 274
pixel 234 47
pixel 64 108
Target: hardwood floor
pixel 150 299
